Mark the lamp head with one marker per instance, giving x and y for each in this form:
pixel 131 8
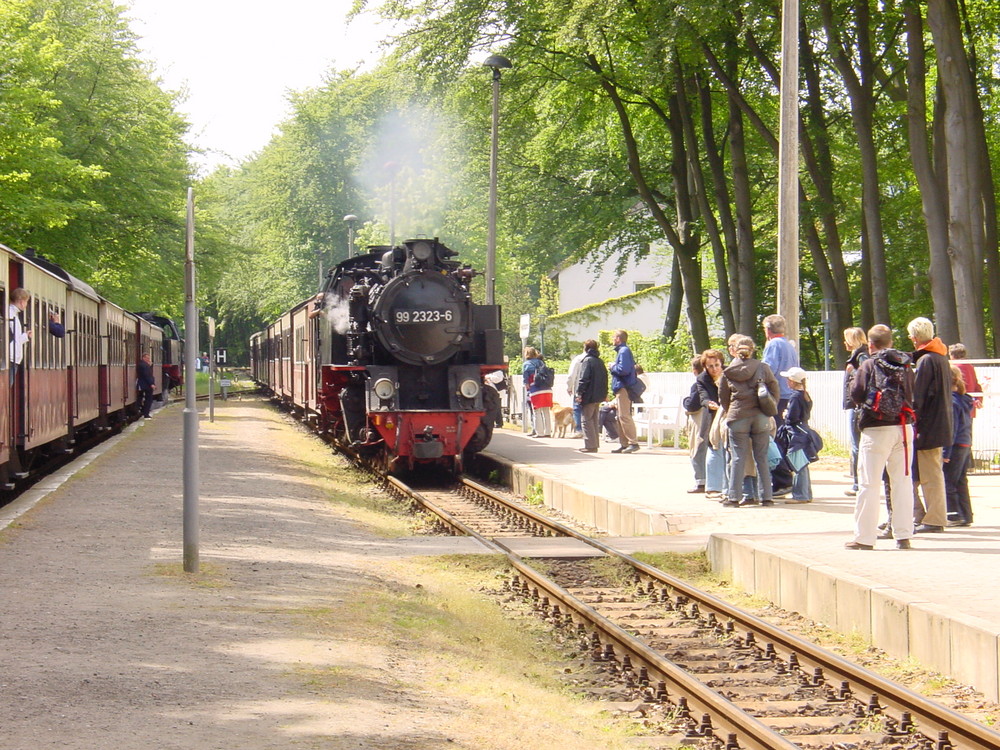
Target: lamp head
pixel 496 62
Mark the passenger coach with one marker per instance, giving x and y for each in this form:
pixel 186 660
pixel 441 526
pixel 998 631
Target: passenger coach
pixel 78 373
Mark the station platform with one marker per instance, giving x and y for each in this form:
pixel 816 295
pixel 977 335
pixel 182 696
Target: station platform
pixel 938 603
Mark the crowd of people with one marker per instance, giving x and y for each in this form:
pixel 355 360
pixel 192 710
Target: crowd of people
pixel 910 419
pixel 588 387
pixel 913 417
pixel 750 439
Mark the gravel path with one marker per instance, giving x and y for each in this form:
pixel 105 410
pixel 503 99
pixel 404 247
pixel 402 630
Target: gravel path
pixel 106 644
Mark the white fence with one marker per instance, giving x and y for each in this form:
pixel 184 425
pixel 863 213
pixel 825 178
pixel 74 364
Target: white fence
pixel 828 415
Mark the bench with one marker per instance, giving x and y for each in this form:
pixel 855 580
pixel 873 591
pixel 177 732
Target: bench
pixel 657 415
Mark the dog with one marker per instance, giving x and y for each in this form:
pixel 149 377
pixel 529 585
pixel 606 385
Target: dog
pixel 562 420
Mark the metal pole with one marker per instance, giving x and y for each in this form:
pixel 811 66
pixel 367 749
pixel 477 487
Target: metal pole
pixel 211 369
pixel 496 62
pixel 491 240
pixel 191 530
pixel 827 314
pixel 788 173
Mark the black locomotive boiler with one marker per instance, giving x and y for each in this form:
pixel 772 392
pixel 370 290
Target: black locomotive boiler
pixel 391 358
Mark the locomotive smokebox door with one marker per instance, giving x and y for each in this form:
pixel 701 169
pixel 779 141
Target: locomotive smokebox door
pixel 422 318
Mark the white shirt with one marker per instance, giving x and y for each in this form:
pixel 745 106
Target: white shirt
pixel 574 373
pixel 18 336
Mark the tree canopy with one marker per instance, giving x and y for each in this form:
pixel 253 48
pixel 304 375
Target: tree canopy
pixel 624 126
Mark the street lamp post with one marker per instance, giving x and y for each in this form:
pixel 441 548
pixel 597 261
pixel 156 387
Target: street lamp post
pixel 788 173
pixel 496 63
pixel 350 219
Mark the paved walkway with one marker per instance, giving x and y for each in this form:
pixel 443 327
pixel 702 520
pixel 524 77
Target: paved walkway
pixel 959 568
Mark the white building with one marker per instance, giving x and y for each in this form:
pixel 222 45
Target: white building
pixel 593 297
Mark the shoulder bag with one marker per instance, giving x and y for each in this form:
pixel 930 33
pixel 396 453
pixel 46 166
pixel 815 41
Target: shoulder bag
pixel 767 403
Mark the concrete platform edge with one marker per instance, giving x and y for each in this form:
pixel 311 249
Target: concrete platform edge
pixel 611 516
pixel 902 624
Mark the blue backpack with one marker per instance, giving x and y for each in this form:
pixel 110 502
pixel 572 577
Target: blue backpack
pixel 545 376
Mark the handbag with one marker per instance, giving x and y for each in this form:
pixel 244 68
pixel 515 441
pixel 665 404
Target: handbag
pixel 716 433
pixel 797 459
pixel 767 404
pixel 635 391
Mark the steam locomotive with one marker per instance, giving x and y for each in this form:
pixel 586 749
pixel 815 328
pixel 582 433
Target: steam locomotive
pixel 391 358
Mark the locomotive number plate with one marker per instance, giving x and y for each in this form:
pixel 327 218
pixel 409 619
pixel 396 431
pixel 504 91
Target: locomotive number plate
pixel 424 316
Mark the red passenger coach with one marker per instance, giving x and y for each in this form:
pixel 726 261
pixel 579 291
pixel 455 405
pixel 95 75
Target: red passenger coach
pixel 78 369
pixel 45 415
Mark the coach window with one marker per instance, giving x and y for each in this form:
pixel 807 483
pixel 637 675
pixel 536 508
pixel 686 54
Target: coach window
pixel 46 342
pixel 38 354
pixel 61 343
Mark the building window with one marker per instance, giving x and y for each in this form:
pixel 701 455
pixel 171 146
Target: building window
pixel 640 285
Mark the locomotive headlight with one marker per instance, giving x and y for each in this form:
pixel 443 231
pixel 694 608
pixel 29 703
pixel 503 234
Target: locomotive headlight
pixel 384 389
pixel 469 388
pixel 422 251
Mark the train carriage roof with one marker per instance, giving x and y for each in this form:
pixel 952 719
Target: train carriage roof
pixel 44 264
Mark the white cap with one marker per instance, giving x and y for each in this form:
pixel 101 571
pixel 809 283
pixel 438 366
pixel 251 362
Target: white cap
pixel 794 373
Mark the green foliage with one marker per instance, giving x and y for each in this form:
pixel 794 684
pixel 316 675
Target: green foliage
pixel 93 167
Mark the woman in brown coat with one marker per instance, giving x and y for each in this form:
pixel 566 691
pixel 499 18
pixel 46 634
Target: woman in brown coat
pixel 749 427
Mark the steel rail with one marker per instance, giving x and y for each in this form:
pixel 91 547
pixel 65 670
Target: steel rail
pixel 749 731
pixel 929 716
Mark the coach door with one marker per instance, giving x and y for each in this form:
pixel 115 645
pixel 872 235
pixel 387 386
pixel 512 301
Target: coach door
pixel 6 432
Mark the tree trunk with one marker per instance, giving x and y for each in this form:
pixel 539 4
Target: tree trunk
pixel 704 206
pixel 688 254
pixel 675 302
pixel 690 271
pixel 933 195
pixel 743 273
pixel 964 192
pixel 862 97
pixel 720 190
pixel 829 265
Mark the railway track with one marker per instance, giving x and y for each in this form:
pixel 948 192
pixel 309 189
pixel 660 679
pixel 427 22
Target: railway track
pixel 726 678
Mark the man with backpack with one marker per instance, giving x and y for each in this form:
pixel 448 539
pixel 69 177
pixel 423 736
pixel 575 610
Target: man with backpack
pixel 883 389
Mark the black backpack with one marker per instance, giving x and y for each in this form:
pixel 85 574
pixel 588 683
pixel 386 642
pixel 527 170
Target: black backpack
pixel 885 396
pixel 545 376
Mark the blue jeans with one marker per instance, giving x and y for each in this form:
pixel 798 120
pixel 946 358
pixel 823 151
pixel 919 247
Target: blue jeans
pixel 577 416
pixel 801 485
pixel 715 469
pixel 956 483
pixel 749 436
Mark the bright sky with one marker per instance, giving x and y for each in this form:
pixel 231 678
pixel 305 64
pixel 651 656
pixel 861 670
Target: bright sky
pixel 238 59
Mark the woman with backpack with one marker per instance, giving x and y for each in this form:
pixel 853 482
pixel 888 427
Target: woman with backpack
pixel 537 379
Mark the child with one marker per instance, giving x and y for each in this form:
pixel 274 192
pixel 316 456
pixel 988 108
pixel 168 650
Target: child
pixel 799 435
pixel 958 455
